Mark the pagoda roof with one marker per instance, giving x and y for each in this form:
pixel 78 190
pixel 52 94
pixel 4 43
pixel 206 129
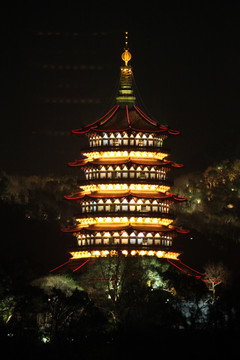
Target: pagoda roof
pixel 120 194
pixel 120 227
pixel 125 118
pixel 126 160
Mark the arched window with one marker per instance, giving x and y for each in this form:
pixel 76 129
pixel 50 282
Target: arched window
pixel 137 138
pixel 124 238
pixel 159 142
pixel 109 172
pixel 117 173
pixel 102 172
pixel 147 205
pixel 140 237
pixel 90 205
pixel 132 172
pixel 100 205
pixel 166 241
pixel 125 139
pixel 111 140
pixel 139 205
pixel 95 174
pixel 144 137
pixel 146 172
pixel 83 207
pixel 132 205
pixel 116 238
pixel 83 240
pixel 108 205
pixel 94 205
pixel 119 138
pixel 161 174
pixel 117 205
pixel 124 205
pixel 105 139
pixel 150 140
pixel 132 238
pixel 138 172
pixel 157 239
pixel 149 237
pixel 154 205
pixel 98 238
pixel 152 173
pixel 106 238
pixel 98 140
pixel 132 139
pixel 125 172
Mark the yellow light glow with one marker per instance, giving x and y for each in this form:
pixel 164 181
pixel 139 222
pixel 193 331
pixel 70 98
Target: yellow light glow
pixel 103 253
pixel 126 57
pixel 123 220
pixel 119 187
pixel 93 155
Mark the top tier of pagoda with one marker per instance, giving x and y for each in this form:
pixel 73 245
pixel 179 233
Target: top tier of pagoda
pixel 124 201
pixel 125 115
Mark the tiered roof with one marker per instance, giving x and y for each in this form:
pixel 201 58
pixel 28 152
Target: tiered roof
pixel 127 160
pixel 119 119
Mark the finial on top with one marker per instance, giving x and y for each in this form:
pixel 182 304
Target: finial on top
pixel 126 55
pixel 126 40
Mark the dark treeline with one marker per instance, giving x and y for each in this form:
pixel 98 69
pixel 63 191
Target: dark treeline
pixel 118 306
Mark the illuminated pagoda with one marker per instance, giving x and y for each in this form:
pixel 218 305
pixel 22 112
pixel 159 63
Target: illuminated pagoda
pixel 125 199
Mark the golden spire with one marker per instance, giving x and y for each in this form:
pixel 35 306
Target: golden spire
pixel 126 55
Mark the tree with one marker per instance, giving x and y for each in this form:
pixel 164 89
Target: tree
pixel 66 302
pixel 215 274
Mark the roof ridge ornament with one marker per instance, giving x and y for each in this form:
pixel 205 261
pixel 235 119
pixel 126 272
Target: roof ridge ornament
pixel 126 55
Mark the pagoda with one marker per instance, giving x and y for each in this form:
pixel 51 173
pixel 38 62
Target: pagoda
pixel 125 199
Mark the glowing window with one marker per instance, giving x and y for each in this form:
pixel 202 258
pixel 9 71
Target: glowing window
pixel 132 139
pixel 152 173
pixel 100 205
pixel 140 237
pixel 149 239
pixel 125 139
pixel 124 237
pixel 124 205
pixel 157 239
pixel 132 238
pixel 98 238
pixel 106 237
pixel 103 172
pixel 132 205
pixel 105 139
pixel 125 172
pixel 119 138
pixel 132 172
pixel 150 140
pixel 116 238
pixel 108 205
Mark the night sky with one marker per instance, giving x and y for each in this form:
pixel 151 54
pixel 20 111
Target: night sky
pixel 60 69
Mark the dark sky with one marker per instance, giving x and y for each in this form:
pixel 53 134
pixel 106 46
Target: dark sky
pixel 60 68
